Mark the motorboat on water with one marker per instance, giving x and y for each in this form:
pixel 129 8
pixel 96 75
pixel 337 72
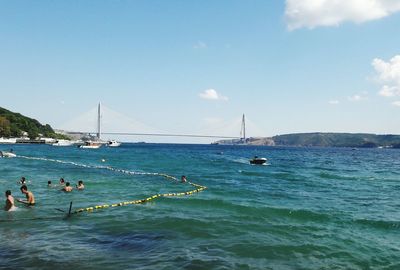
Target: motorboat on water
pixel 62 143
pixel 258 161
pixel 6 154
pixel 113 143
pixel 90 145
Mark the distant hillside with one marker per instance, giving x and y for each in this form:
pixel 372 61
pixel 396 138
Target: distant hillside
pixel 325 140
pixel 337 140
pixel 15 124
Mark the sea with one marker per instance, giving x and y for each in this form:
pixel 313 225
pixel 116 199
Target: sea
pixel 307 208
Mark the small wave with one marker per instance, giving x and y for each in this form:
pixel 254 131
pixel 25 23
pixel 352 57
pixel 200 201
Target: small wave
pixel 379 224
pixel 252 173
pixel 13 209
pixel 135 242
pixel 331 176
pixel 302 214
pixel 273 251
pixel 241 160
pixel 262 212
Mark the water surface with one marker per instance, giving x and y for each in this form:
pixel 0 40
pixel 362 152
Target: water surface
pixel 309 208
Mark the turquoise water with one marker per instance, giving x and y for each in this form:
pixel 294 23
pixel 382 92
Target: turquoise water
pixel 307 209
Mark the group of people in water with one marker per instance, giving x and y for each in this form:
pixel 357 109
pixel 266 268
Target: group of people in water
pixel 10 204
pixel 66 186
pixel 30 198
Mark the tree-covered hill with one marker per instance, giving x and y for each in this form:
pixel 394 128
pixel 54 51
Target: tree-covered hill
pixel 324 140
pixel 15 124
pixel 337 140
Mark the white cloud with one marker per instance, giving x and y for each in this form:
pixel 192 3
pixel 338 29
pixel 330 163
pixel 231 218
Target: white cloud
pixel 358 97
pixel 314 13
pixel 333 102
pixel 396 103
pixel 200 45
pixel 387 91
pixel 388 74
pixel 211 94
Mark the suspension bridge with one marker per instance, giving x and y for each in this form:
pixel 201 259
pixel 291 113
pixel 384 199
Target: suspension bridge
pixel 131 127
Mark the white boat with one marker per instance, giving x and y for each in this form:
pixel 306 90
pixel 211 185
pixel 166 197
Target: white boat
pixel 258 161
pixel 113 143
pixel 7 154
pixel 63 143
pixel 90 145
pixel 8 140
pixel 98 142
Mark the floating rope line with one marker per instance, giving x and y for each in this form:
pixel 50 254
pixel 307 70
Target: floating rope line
pixel 90 209
pixel 88 166
pixel 198 188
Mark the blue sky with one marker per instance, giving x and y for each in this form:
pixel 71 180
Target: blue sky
pixel 196 66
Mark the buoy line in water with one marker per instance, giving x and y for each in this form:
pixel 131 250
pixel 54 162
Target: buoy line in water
pixel 198 188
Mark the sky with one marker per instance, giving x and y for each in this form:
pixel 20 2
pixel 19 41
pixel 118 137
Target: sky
pixel 194 67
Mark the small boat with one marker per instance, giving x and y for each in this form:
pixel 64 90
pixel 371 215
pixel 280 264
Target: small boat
pixel 258 161
pixel 7 154
pixel 90 145
pixel 113 143
pixel 8 140
pixel 62 143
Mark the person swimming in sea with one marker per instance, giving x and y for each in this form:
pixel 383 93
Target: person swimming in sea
pixel 30 199
pixel 183 179
pixel 10 206
pixel 80 185
pixel 22 181
pixel 67 187
pixel 62 181
pixel 49 184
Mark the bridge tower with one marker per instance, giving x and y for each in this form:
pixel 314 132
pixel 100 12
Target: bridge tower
pixel 243 129
pixel 99 121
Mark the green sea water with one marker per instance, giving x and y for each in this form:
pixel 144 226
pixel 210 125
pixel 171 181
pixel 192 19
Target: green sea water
pixel 309 208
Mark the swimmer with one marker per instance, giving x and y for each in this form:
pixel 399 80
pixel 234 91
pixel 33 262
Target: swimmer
pixel 30 199
pixel 67 187
pixel 183 179
pixel 10 206
pixel 49 184
pixel 22 181
pixel 62 181
pixel 80 185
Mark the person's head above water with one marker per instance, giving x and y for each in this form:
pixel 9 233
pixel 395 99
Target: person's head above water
pixel 80 182
pixel 67 184
pixel 62 180
pixel 183 178
pixel 23 188
pixel 49 183
pixel 8 193
pixel 23 180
